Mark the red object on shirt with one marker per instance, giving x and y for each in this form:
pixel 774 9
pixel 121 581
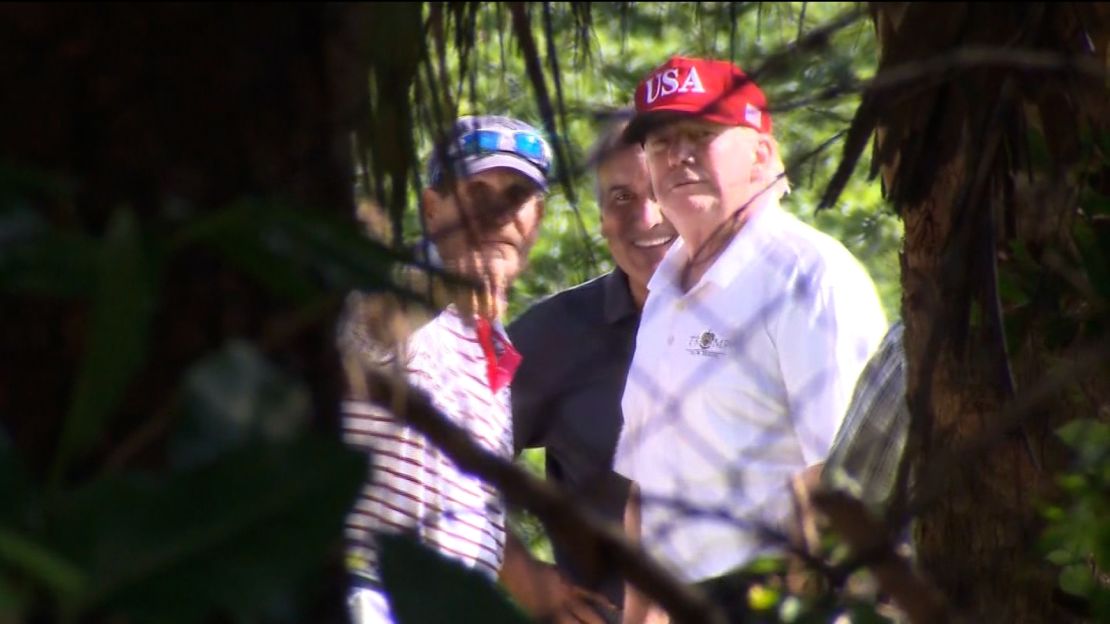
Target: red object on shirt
pixel 499 369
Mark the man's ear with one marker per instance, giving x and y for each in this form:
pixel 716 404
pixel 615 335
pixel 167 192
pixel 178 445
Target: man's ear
pixel 431 203
pixel 761 160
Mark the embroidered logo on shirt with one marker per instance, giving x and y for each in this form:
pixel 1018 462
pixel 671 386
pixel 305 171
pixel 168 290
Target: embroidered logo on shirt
pixel 708 344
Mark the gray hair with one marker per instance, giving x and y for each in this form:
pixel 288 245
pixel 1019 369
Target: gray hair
pixel 611 142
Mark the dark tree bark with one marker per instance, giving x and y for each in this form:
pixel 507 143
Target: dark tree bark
pixel 953 150
pixel 179 106
pixel 174 111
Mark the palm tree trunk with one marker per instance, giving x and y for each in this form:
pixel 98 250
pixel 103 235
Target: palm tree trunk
pixel 952 147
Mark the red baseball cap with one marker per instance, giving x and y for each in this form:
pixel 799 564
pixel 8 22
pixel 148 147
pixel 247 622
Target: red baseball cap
pixel 716 91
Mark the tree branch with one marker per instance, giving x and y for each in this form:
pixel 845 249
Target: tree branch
pixel 870 542
pixel 583 532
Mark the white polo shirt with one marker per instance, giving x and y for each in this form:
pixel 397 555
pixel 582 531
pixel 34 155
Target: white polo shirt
pixel 739 384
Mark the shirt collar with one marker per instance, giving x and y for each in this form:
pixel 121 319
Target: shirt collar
pixel 618 303
pixel 744 246
pixel 457 323
pixel 739 252
pixel 669 272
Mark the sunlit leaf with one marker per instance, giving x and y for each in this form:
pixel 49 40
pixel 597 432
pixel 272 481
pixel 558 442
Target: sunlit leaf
pixel 762 598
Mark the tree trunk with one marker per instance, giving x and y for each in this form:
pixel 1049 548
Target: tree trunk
pixel 158 108
pixel 953 149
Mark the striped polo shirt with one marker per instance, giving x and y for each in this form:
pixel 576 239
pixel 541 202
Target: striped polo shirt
pixel 413 485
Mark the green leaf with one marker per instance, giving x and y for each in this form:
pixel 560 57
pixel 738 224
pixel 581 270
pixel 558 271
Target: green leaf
pixel 16 488
pixel 38 259
pixel 232 397
pixel 1061 557
pixel 1100 605
pixel 17 183
pixel 296 253
pixel 121 316
pixel 235 536
pixel 1012 289
pixel 1102 543
pixel 239 237
pixel 1092 249
pixel 1089 439
pixel 35 561
pixel 424 586
pixel 11 602
pixel 1094 203
pixel 1083 430
pixel 768 564
pixel 763 598
pixel 1076 579
pixel 866 614
pixel 1039 154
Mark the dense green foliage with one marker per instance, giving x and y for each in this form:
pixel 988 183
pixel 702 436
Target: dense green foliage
pixel 600 74
pixel 241 519
pixel 623 45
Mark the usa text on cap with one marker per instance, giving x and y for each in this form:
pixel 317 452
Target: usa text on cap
pixel 716 91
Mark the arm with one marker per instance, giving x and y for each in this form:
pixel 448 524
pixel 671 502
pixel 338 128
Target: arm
pixel 824 337
pixel 803 530
pixel 543 592
pixel 636 604
pixel 525 579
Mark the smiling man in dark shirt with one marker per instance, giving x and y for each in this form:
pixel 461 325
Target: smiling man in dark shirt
pixel 566 395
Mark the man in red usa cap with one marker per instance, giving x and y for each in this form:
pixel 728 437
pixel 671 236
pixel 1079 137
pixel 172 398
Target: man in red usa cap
pixel 754 331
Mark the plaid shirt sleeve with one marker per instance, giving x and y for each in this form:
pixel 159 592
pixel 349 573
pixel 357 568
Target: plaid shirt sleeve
pixel 868 447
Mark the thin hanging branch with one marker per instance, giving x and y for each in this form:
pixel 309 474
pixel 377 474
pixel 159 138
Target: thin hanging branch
pixel 815 40
pixel 522 29
pixel 928 74
pixel 439 38
pixel 556 75
pixel 801 21
pixel 582 13
pixel 501 38
pixel 732 19
pixel 472 78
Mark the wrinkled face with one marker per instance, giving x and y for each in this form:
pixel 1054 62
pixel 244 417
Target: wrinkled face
pixel 631 221
pixel 703 172
pixel 493 216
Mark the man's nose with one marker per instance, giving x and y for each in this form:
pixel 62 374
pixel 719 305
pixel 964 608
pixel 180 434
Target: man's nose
pixel 682 149
pixel 649 214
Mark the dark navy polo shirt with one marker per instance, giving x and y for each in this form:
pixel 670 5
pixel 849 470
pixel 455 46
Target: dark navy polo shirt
pixel 566 397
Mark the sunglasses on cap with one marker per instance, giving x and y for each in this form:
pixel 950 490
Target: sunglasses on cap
pixel 526 145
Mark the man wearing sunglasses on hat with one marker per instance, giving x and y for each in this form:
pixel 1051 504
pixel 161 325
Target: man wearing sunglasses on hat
pixel 481 213
pixel 577 345
pixel 755 329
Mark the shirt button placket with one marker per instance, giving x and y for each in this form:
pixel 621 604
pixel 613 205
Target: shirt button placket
pixel 676 321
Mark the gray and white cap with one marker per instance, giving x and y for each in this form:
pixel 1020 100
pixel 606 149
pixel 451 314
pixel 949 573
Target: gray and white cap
pixel 482 142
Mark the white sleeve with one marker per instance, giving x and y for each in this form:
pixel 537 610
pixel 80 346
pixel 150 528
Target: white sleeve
pixel 624 457
pixel 828 329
